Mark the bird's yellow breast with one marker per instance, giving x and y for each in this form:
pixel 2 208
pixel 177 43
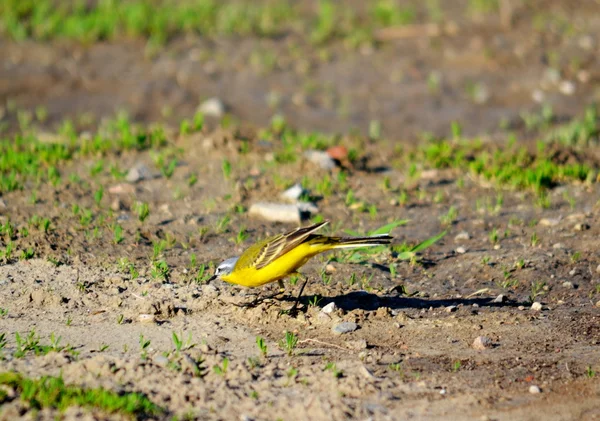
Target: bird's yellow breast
pixel 277 269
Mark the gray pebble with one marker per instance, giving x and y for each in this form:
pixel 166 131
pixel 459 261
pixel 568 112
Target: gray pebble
pixel 451 309
pixel 568 285
pixel 161 360
pixel 138 172
pixel 320 158
pixel 482 342
pixel 344 327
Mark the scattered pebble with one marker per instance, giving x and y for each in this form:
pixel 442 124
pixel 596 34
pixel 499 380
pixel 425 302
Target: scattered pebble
pixel 276 212
pixel 329 308
pixel 338 152
pixel 121 189
pixel 462 236
pixel 558 246
pixel 117 205
pixel 567 87
pixel 537 306
pixel 2 204
pixel 461 250
pixel 549 222
pixel 538 96
pixel 293 193
pixel 147 318
pixel 138 173
pixel 320 158
pixel 581 227
pixel 534 390
pixel 482 342
pixel 344 327
pixel 583 76
pixel 451 309
pixel 429 174
pixel 213 107
pixel 576 216
pixel 598 269
pixel 357 345
pixel 521 308
pixel 500 299
pixel 161 360
pixel 598 303
pixel 568 285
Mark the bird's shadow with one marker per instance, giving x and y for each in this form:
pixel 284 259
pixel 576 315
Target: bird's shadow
pixel 363 300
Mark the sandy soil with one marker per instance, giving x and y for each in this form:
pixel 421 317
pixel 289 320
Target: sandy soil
pixel 412 356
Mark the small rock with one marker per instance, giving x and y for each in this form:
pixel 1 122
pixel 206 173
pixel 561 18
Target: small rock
pixel 451 309
pixel 462 236
pixel 329 269
pixel 538 96
pixel 521 308
pixel 2 204
pixel 598 269
pixel 338 152
pixel 461 250
pixel 357 345
pixel 146 318
pixel 429 174
pixel 117 205
pixel 568 285
pixel 161 360
pixel 583 76
pixel 293 193
pixel 537 306
pixel 534 390
pixel 598 303
pixel 329 308
pixel 276 212
pixel 320 158
pixel 558 246
pixel 344 327
pixel 121 189
pixel 576 216
pixel 482 342
pixel 567 87
pixel 549 222
pixel 500 299
pixel 138 173
pixel 581 227
pixel 212 107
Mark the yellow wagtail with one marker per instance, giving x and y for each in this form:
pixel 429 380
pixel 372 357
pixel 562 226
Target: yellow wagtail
pixel 277 257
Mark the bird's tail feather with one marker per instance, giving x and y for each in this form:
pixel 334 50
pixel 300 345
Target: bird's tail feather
pixel 355 242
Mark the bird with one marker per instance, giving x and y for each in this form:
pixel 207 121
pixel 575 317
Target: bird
pixel 280 256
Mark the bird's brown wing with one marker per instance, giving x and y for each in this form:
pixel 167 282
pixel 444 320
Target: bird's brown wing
pixel 275 247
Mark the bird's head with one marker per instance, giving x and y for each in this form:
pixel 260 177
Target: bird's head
pixel 224 268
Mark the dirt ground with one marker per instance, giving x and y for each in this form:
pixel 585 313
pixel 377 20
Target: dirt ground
pixel 412 354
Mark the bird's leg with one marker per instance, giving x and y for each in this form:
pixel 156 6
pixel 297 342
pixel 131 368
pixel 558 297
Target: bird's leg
pixel 295 306
pixel 258 298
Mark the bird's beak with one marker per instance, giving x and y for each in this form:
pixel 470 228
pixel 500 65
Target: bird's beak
pixel 212 278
